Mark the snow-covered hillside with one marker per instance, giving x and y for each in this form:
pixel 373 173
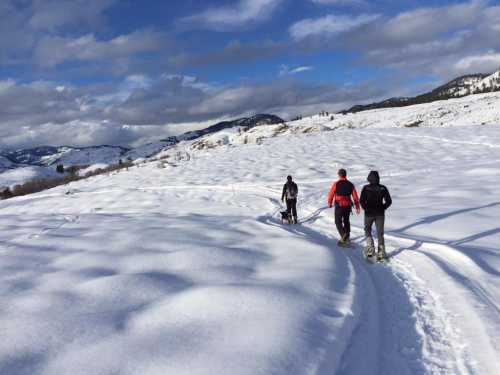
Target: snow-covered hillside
pixel 186 268
pixel 489 83
pixel 29 160
pixel 457 88
pixel 19 166
pixel 483 109
pixel 48 155
pixel 85 156
pixel 480 109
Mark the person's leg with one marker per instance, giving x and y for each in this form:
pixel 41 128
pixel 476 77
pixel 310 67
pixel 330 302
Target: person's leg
pixel 347 223
pixel 370 246
pixel 294 210
pixel 289 209
pixel 338 221
pixel 379 223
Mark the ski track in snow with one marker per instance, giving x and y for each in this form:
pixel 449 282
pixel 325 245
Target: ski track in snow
pixel 116 291
pixel 402 327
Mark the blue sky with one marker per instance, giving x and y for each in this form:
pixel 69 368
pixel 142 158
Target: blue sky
pixel 124 72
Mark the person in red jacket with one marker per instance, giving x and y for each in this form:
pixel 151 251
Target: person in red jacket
pixel 340 193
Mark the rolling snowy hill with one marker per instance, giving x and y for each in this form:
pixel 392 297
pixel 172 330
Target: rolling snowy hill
pixel 457 88
pixel 181 265
pixel 48 155
pixel 29 161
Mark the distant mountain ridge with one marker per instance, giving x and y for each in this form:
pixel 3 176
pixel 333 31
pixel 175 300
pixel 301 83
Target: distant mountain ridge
pixel 49 155
pixel 247 122
pixel 459 87
pixel 45 156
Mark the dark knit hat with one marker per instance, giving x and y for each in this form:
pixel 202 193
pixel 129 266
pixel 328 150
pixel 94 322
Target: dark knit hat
pixel 373 177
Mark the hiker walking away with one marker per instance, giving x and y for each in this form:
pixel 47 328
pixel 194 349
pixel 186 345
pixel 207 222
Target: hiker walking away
pixel 289 195
pixel 341 192
pixel 375 199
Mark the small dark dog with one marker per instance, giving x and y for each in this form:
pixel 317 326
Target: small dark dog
pixel 286 217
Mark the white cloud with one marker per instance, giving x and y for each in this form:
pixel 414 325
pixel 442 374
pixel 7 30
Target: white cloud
pixel 286 70
pixel 7 84
pixel 52 51
pixel 427 23
pixel 55 14
pixel 339 2
pixel 486 63
pixel 424 40
pixel 329 25
pixel 237 16
pixel 42 113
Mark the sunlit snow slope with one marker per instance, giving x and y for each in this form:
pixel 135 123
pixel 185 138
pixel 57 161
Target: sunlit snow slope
pixel 188 270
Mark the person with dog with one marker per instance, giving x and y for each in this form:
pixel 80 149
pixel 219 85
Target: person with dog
pixel 341 192
pixel 375 200
pixel 289 196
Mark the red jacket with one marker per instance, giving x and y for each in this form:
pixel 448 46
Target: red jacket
pixel 341 192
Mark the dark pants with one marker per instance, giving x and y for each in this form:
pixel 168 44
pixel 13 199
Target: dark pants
pixel 291 208
pixel 379 224
pixel 342 222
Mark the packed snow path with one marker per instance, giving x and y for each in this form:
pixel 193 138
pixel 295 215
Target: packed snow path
pixel 188 270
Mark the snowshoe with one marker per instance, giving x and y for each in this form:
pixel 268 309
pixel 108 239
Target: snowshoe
pixel 368 254
pixel 344 243
pixel 382 255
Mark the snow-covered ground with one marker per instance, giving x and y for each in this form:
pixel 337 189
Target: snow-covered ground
pixel 188 270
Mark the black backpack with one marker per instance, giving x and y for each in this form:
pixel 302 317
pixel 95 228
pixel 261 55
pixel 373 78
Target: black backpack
pixel 292 190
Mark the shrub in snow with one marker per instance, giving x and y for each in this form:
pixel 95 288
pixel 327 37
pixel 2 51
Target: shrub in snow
pixel 5 193
pixel 40 184
pixel 60 168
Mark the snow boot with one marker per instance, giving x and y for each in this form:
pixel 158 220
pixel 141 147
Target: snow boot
pixel 344 240
pixel 369 251
pixel 381 254
pixel 370 247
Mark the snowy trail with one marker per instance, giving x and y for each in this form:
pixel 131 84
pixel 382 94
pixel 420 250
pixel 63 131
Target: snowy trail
pixel 402 327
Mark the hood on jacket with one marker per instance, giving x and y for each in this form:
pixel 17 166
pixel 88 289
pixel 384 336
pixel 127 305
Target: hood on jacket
pixel 373 177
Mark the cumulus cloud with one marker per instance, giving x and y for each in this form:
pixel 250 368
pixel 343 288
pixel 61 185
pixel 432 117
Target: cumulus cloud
pixel 233 52
pixel 487 62
pixel 425 40
pixel 339 2
pixel 52 51
pixel 49 112
pixel 286 70
pixel 233 17
pixel 427 23
pixel 56 14
pixel 38 36
pixel 23 23
pixel 329 25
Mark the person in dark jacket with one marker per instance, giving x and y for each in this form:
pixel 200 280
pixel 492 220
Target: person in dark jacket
pixel 341 192
pixel 289 195
pixel 375 200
